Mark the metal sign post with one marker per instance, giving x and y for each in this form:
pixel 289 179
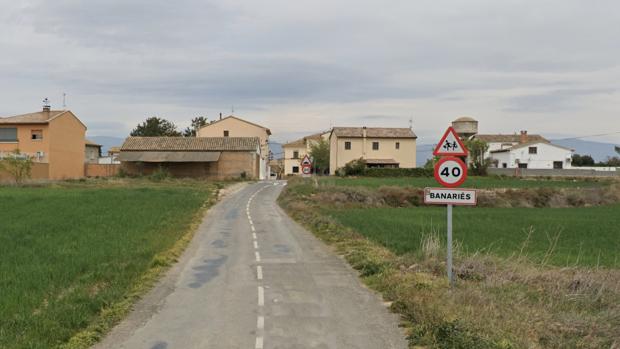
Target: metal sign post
pixel 450 172
pixel 449 261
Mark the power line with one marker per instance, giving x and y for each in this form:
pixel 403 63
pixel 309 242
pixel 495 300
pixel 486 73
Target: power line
pixel 597 135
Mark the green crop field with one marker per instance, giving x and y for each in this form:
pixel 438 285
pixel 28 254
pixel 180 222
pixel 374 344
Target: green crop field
pixel 66 253
pixel 585 236
pixel 472 182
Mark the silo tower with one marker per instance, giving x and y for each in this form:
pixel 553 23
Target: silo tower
pixel 465 127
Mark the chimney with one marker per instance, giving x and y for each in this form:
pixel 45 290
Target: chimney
pixel 523 138
pixel 364 131
pixel 46 105
pixel 220 116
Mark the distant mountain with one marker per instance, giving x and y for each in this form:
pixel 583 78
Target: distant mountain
pixel 599 151
pixel 106 142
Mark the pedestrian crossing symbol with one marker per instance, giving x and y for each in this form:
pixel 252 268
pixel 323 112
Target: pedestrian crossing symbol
pixel 450 145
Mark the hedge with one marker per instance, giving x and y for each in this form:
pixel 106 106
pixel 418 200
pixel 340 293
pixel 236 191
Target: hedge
pixel 398 172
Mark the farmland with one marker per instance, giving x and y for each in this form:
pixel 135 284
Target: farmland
pixel 73 255
pixel 551 261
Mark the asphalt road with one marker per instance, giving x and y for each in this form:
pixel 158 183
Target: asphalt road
pixel 253 278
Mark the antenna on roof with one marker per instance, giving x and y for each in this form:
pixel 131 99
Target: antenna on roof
pixel 46 104
pixel 64 100
pixel 232 110
pixel 411 123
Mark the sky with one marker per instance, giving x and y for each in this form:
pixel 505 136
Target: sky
pixel 298 67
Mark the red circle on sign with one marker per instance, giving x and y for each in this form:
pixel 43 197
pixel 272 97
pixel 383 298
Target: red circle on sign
pixel 460 164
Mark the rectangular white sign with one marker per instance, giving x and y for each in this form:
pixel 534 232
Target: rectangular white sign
pixel 447 196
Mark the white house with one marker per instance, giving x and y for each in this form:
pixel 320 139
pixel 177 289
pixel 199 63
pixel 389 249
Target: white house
pixel 533 155
pixel 507 141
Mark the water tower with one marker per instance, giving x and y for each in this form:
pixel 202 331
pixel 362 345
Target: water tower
pixel 465 127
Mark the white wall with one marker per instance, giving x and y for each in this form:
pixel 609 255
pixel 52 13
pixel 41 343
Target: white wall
pixel 546 155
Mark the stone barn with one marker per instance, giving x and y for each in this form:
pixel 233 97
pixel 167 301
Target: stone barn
pixel 198 157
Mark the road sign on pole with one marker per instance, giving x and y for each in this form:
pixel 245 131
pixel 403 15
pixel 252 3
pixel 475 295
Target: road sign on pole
pixel 450 145
pixel 306 166
pixel 450 172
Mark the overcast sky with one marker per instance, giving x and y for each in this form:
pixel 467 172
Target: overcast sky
pixel 550 67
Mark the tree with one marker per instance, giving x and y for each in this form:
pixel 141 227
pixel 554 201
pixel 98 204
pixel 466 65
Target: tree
pixel 319 152
pixel 477 163
pixel 18 165
pixel 617 149
pixel 155 127
pixel 197 123
pixel 582 160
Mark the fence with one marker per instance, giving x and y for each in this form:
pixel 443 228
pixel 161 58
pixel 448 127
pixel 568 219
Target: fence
pixel 101 170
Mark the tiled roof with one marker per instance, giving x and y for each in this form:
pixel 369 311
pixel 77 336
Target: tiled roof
pixel 302 141
pixel 374 132
pixel 523 145
pixel 91 143
pixel 42 117
pixel 239 119
pixel 514 138
pixel 191 144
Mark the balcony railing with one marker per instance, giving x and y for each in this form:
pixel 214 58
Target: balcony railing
pixel 36 157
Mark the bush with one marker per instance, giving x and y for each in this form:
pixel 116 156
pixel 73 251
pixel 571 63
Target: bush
pixel 160 175
pixel 353 168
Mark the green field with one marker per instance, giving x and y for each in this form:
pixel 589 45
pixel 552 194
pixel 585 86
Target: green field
pixel 472 182
pixel 587 236
pixel 66 253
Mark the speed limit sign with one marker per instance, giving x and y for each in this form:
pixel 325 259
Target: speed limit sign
pixel 450 172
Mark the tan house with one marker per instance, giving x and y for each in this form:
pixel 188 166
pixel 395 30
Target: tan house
pixel 380 147
pixel 198 157
pixel 295 151
pixel 54 139
pixel 232 126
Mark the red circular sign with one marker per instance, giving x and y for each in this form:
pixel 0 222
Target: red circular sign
pixel 450 172
pixel 306 169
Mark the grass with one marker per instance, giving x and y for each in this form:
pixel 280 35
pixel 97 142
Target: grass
pixel 472 182
pixel 585 236
pixel 70 253
pixel 497 302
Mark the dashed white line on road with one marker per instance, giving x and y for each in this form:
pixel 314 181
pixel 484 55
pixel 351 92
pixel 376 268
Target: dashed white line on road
pixel 252 227
pixel 255 245
pixel 254 236
pixel 260 323
pixel 257 254
pixel 261 296
pixel 259 343
pixel 259 272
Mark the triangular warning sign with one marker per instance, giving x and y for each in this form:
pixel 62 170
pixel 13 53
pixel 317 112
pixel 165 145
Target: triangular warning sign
pixel 450 145
pixel 306 161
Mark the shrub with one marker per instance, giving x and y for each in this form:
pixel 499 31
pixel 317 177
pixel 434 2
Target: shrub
pixel 355 167
pixel 18 165
pixel 160 174
pixel 399 172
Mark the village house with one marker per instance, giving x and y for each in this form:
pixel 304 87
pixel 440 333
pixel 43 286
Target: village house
pixel 232 126
pixel 520 150
pixel 53 139
pixel 379 147
pixel 93 152
pixel 295 151
pixel 198 157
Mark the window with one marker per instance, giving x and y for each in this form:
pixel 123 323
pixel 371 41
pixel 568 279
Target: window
pixel 226 133
pixel 397 145
pixel 36 135
pixel 295 169
pixel 504 165
pixel 296 154
pixel 8 134
pixel 522 165
pixel 533 150
pixel 347 145
pixel 375 145
pixel 558 165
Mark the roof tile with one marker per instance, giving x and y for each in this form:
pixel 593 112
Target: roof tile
pixel 191 144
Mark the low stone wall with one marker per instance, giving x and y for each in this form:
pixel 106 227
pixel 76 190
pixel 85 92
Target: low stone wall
pixel 101 170
pixel 573 172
